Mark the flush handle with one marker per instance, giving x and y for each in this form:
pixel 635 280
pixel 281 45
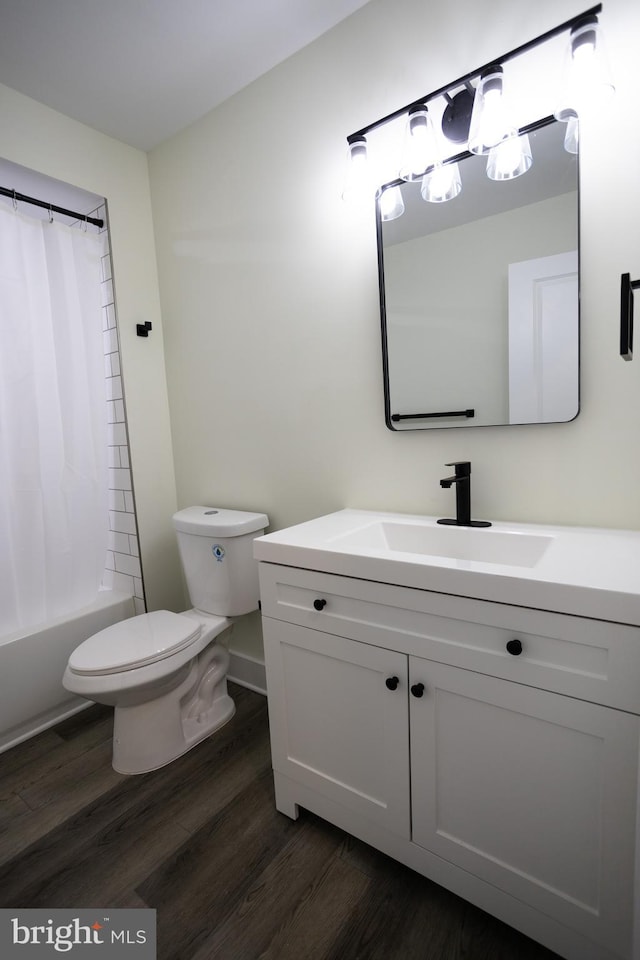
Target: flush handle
pixel 319 603
pixel 514 647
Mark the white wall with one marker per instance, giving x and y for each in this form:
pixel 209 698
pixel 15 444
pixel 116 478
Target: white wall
pixel 269 288
pixel 46 141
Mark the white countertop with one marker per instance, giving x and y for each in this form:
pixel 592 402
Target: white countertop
pixel 589 572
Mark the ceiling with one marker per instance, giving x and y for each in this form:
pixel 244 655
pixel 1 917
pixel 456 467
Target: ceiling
pixel 141 70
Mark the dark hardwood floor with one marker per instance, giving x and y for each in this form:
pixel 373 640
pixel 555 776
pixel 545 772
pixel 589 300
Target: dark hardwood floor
pixel 202 843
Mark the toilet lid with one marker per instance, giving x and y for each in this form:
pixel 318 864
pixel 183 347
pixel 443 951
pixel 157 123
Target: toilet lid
pixel 134 643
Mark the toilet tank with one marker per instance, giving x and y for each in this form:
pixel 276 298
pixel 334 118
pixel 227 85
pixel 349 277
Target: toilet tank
pixel 216 550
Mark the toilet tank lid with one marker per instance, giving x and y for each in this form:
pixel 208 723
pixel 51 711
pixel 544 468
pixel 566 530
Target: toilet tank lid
pixel 218 522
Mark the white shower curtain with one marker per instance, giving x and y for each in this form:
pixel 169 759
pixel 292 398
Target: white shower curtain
pixel 53 430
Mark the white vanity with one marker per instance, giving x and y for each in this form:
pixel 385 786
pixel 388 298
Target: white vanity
pixel 468 702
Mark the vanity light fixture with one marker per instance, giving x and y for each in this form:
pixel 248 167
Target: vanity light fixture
pixel 419 144
pixel 476 116
pixel 490 123
pixel 572 136
pixel 442 183
pixel 357 177
pixel 510 158
pixel 456 118
pixel 391 203
pixel 586 75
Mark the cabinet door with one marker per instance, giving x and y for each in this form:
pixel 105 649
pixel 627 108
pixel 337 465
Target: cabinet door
pixel 531 791
pixel 336 726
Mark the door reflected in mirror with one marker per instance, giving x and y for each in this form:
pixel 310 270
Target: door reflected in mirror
pixel 479 297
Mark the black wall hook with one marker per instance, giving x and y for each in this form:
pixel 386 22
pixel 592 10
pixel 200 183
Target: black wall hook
pixel 142 329
pixel 627 286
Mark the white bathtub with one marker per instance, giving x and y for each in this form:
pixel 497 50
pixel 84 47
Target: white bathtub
pixel 32 663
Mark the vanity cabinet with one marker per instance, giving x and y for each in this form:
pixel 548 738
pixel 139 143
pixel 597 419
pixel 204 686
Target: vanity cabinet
pixel 505 771
pixel 335 724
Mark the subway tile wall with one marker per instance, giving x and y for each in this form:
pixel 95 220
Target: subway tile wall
pixel 122 566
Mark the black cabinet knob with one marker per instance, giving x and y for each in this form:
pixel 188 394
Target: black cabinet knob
pixel 514 647
pixel 319 603
pixel 417 689
pixel 392 683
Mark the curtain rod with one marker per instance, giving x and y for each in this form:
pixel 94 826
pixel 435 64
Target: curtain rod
pixel 51 207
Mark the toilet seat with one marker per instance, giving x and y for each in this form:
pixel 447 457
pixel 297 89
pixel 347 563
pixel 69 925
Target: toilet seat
pixel 134 643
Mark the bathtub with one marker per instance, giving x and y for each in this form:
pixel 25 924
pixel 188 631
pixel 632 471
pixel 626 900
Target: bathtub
pixel 32 663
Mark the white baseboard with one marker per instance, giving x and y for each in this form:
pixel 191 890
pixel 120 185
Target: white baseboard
pixel 248 672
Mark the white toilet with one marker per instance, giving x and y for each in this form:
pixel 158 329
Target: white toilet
pixel 165 673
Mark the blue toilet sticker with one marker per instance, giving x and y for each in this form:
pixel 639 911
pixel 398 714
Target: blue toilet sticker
pixel 218 552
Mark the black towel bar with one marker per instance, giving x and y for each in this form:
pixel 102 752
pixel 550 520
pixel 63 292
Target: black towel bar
pixel 426 416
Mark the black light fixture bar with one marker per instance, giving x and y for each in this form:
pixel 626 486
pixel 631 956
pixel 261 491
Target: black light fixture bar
pixel 51 207
pixel 567 25
pixel 466 154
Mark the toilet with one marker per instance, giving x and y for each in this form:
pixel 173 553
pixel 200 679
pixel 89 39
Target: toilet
pixel 166 673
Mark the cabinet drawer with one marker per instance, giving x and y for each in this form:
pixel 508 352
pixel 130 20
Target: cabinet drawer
pixel 589 659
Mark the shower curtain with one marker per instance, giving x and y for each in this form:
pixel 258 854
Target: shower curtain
pixel 53 420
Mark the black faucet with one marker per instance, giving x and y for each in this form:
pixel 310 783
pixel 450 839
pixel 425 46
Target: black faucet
pixel 462 480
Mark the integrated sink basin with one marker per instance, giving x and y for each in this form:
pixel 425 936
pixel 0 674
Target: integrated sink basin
pixel 456 543
pixel 586 571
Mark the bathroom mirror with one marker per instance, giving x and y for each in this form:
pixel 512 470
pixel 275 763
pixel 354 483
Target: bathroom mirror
pixel 479 296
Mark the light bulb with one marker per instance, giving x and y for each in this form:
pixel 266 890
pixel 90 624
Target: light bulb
pixel 357 185
pixel 572 136
pixel 586 75
pixel 391 203
pixel 493 129
pixel 489 120
pixel 419 144
pixel 510 158
pixel 442 183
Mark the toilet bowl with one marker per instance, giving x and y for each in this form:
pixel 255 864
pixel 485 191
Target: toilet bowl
pixel 165 673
